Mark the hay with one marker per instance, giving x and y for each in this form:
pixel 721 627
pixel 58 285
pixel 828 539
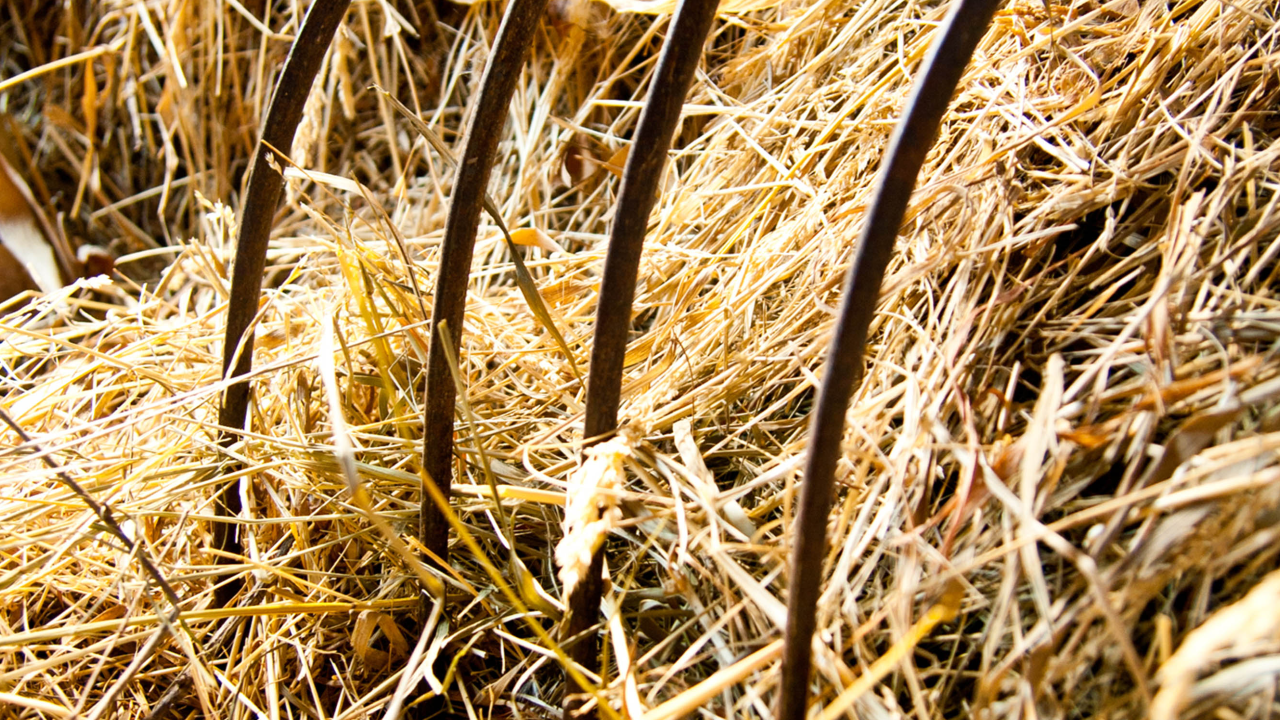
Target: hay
pixel 1069 407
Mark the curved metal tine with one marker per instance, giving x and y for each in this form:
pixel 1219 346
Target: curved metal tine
pixel 912 139
pixel 261 199
pixel 470 180
pixel 658 121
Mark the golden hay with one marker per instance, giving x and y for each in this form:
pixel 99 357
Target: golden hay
pixel 1070 404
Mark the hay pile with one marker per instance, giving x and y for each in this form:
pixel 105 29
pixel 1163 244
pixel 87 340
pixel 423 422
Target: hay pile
pixel 1069 406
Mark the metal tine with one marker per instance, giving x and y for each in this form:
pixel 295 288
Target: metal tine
pixel 657 124
pixel 261 199
pixel 916 132
pixel 471 179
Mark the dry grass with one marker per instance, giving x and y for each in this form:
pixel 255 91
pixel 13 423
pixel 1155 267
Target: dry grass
pixel 1070 404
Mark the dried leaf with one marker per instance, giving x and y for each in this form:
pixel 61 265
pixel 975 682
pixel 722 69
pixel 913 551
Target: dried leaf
pixel 29 261
pixel 617 161
pixel 361 640
pixel 533 237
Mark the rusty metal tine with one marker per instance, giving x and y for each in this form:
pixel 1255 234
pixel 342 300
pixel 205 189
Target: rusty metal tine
pixel 470 180
pixel 657 124
pixel 261 199
pixel 912 139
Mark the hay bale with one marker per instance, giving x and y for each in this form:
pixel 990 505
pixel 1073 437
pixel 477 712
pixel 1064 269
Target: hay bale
pixel 1069 406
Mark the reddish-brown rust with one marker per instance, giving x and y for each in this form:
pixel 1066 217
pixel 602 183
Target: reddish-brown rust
pixel 911 141
pixel 261 198
pixel 470 180
pixel 658 121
